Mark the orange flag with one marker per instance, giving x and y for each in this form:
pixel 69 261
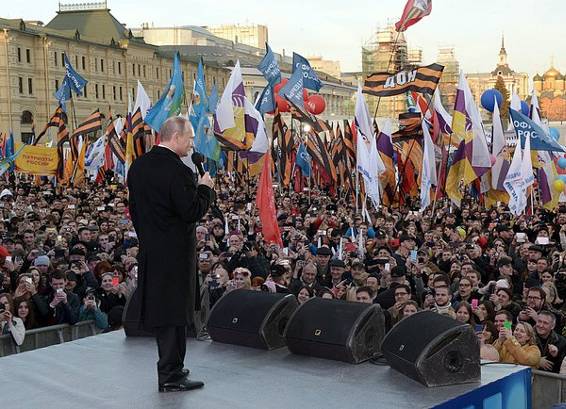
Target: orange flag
pixel 265 202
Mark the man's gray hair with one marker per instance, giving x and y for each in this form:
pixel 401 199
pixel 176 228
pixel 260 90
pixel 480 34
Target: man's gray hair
pixel 173 125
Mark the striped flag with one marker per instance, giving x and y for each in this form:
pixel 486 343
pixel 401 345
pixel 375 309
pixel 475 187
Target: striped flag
pixel 386 151
pixel 414 11
pixel 92 124
pixel 319 154
pixel 59 119
pixel 472 159
pixel 420 79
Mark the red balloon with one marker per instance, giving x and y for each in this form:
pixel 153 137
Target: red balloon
pixel 280 85
pixel 282 104
pixel 316 104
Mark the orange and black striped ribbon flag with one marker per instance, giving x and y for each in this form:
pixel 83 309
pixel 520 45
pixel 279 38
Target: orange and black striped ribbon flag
pixel 419 79
pixel 138 132
pixel 319 154
pixel 59 118
pixel 92 124
pixel 117 145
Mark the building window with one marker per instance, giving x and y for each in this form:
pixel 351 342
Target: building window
pixel 170 73
pixel 101 65
pixel 56 85
pixel 119 68
pixel 133 93
pixel 85 90
pixel 121 96
pixel 62 59
pixel 114 92
pixel 133 69
pixel 103 91
pixel 27 118
pixel 144 71
pixel 84 62
pixel 96 91
pixel 139 70
pixel 96 64
pixel 76 61
pixel 19 54
pixel 21 85
pixel 30 86
pixel 55 58
pixel 28 55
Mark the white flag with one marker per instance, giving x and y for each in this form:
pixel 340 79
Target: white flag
pixel 366 147
pixel 142 100
pixel 429 167
pixel 225 108
pixel 95 156
pixel 519 178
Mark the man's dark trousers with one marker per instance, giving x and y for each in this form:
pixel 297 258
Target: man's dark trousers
pixel 172 346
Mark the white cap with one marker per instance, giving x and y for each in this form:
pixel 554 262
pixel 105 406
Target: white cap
pixel 503 283
pixel 5 192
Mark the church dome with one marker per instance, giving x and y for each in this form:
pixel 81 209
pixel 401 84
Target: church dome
pixel 552 73
pixel 537 78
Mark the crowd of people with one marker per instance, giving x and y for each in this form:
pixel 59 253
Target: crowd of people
pixel 69 254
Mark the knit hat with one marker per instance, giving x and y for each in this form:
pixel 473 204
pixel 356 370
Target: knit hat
pixel 41 261
pixel 4 193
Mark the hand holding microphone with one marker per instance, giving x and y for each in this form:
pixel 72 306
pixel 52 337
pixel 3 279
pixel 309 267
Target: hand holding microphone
pixel 205 178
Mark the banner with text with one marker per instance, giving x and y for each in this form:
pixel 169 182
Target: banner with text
pixel 37 160
pixel 418 79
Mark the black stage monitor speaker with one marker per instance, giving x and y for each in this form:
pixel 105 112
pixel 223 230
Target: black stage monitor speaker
pixel 433 349
pixel 251 318
pixel 335 329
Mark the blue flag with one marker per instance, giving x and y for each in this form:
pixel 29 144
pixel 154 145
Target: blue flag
pixel 266 102
pixel 63 94
pixel 200 105
pixel 171 99
pixel 540 141
pixel 310 79
pixel 75 81
pixel 304 160
pixel 293 90
pixel 213 99
pixel 269 67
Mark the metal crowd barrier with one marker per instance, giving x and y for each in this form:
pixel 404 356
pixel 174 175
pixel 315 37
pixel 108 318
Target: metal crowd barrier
pixel 47 336
pixel 548 389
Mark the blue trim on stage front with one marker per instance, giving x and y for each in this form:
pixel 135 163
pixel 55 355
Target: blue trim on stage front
pixel 511 392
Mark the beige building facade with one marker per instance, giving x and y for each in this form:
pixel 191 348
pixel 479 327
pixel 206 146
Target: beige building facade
pixel 106 54
pixel 327 66
pixel 254 35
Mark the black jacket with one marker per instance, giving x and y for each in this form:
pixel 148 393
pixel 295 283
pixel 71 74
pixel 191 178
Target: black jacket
pixel 165 205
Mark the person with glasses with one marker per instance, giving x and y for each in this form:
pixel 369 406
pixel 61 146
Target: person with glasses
pixel 394 314
pixel 465 292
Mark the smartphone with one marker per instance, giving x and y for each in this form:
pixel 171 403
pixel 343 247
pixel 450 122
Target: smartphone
pixel 28 280
pixel 542 241
pixel 59 290
pixel 479 328
pixel 100 208
pixel 520 237
pixel 9 258
pixel 71 207
pixel 474 303
pixel 115 281
pixel 203 256
pixel 249 207
pixel 414 255
pixel 132 234
pixel 286 251
pixel 507 325
pixel 387 267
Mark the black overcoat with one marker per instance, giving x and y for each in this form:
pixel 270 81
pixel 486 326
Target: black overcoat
pixel 165 204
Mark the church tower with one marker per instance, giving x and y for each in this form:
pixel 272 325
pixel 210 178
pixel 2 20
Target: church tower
pixel 502 52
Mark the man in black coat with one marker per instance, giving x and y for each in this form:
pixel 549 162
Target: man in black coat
pixel 165 203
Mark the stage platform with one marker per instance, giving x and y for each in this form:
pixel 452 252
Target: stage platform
pixel 112 371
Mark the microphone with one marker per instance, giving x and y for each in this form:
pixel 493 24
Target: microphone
pixel 197 159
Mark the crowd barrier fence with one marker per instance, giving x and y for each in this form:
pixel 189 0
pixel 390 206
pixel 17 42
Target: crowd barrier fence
pixel 548 389
pixel 47 336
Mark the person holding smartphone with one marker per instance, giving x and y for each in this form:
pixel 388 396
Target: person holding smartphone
pixel 166 202
pixel 10 324
pixel 90 311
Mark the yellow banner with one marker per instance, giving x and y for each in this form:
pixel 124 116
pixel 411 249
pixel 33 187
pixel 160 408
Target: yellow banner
pixel 37 160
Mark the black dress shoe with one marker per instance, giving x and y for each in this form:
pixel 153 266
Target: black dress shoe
pixel 186 372
pixel 180 386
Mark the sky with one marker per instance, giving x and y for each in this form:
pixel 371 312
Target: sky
pixel 336 29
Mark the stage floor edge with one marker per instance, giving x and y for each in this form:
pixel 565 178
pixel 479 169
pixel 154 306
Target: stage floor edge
pixel 112 371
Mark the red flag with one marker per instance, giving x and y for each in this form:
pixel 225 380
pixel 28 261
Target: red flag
pixel 265 202
pixel 414 11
